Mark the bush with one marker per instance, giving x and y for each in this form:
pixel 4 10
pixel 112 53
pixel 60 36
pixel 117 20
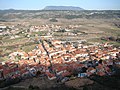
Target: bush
pixel 73 16
pixel 53 20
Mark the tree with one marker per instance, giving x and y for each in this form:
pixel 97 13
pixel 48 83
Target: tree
pixel 53 20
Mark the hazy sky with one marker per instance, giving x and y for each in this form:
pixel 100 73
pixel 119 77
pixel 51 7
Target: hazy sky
pixel 40 4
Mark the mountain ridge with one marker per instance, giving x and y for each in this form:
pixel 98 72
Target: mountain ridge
pixel 62 8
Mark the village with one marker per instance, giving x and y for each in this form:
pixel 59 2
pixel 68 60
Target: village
pixel 59 60
pixel 59 45
pixel 56 52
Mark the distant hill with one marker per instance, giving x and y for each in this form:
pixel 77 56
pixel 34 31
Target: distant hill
pixel 62 8
pixel 11 14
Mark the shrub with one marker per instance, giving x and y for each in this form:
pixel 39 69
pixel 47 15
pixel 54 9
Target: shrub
pixel 53 20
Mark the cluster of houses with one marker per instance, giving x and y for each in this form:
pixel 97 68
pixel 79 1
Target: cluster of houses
pixel 26 28
pixel 44 28
pixel 2 29
pixel 11 29
pixel 35 28
pixel 53 27
pixel 56 59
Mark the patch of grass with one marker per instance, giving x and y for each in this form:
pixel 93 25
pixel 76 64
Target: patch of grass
pixel 58 34
pixel 115 44
pixel 98 40
pixel 28 48
pixel 4 59
pixel 41 33
pixel 14 40
pixel 115 28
